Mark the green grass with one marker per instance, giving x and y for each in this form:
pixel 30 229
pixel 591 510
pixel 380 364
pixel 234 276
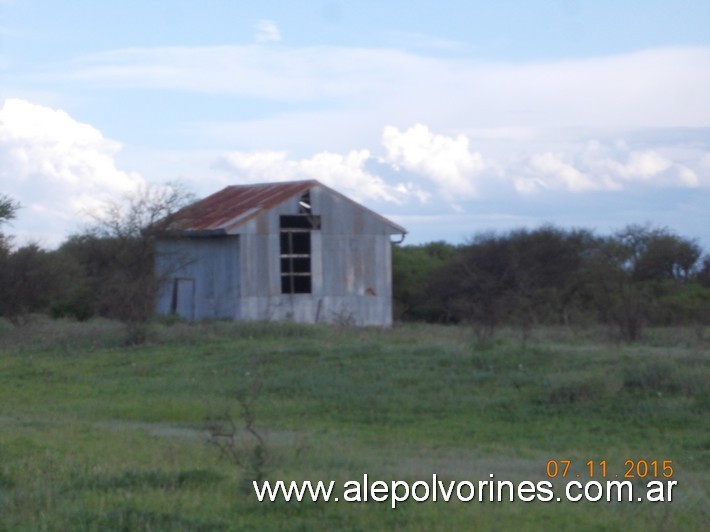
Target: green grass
pixel 95 435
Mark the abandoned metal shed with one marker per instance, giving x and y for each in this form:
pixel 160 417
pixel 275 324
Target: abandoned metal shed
pixel 295 251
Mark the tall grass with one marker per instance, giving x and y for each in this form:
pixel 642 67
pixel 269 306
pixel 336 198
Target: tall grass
pixel 96 435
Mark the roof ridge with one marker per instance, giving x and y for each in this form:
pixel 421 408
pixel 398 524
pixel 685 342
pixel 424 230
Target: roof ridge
pixel 276 183
pixel 221 212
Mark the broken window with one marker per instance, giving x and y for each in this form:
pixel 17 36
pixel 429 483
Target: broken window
pixel 295 248
pixel 304 203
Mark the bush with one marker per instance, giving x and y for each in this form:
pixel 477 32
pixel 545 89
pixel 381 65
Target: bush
pixel 78 310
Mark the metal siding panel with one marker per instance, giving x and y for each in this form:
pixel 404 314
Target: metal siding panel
pixel 357 258
pixel 351 259
pixel 385 267
pixel 348 267
pixel 316 263
pixel 246 253
pixel 212 264
pixel 185 298
pixel 263 265
pixel 345 217
pixel 272 243
pixel 330 264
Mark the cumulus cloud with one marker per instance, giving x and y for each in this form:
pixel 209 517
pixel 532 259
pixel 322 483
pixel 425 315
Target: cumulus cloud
pixel 595 166
pixel 267 31
pixel 55 165
pixel 58 167
pixel 447 167
pixel 550 171
pixel 346 173
pixel 447 161
pixel 650 166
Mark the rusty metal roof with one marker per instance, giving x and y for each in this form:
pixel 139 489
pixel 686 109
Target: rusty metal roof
pixel 236 204
pixel 233 206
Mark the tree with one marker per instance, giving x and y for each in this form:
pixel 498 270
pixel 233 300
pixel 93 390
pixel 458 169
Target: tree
pixel 117 253
pixel 469 288
pixel 32 280
pixel 634 272
pixel 522 277
pixel 656 254
pixel 412 268
pixel 8 208
pixel 139 214
pixel 703 274
pixel 8 211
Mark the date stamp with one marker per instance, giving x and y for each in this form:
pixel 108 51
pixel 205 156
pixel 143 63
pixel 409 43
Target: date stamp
pixel 630 469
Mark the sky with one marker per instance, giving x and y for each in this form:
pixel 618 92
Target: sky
pixel 450 117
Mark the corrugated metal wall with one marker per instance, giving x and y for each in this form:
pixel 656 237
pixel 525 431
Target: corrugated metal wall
pixel 213 266
pixel 350 268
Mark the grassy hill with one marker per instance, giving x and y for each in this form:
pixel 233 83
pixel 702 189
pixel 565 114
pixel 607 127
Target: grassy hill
pixel 95 435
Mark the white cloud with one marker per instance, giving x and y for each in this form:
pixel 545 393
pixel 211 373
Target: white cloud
pixel 550 171
pixel 55 165
pixel 446 161
pixel 651 166
pixel 594 166
pixel 662 87
pixel 346 173
pixel 267 31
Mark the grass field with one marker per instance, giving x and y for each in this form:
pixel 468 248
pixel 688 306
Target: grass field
pixel 98 436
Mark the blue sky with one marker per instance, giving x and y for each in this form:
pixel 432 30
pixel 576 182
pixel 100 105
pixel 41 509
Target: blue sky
pixel 449 117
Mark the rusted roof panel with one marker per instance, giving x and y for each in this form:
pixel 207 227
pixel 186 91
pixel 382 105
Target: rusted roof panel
pixel 234 205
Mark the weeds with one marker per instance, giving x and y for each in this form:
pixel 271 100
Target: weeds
pixel 250 454
pixel 95 436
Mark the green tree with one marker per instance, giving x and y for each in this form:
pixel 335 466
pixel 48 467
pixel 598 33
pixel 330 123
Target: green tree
pixel 703 274
pixel 412 268
pixel 522 277
pixel 8 211
pixel 634 271
pixel 8 208
pixel 117 254
pixel 657 254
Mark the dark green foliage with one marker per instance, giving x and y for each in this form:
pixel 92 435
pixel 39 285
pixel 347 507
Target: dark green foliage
pixel 638 276
pixel 412 268
pixel 703 275
pixel 632 273
pixel 32 279
pixel 652 254
pixel 116 275
pixel 523 277
pixel 8 208
pixel 107 270
pixel 79 310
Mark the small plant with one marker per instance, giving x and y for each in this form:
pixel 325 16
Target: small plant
pixel 246 447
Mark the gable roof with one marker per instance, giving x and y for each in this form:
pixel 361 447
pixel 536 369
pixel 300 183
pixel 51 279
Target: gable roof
pixel 237 204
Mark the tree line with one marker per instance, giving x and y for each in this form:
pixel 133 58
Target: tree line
pixel 640 275
pixel 105 270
